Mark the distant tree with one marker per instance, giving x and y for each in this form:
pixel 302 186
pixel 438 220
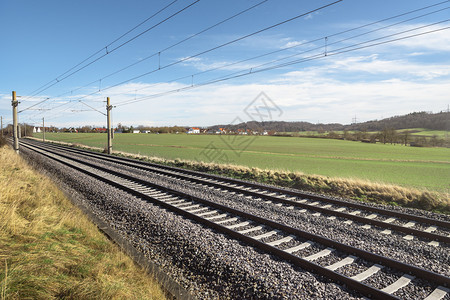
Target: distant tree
pixel 85 129
pixel 346 135
pixel 405 137
pixel 358 136
pixel 387 135
pixel 392 135
pixel 333 135
pixel 434 141
pixel 373 138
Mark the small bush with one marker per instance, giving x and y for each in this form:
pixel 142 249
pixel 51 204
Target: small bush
pixel 2 141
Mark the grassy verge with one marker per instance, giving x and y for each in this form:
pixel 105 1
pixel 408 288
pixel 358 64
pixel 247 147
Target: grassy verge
pixel 49 249
pixel 349 188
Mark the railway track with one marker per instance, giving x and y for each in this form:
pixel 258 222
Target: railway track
pixel 342 263
pixel 387 221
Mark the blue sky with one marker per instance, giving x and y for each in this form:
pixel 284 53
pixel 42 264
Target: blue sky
pixel 42 40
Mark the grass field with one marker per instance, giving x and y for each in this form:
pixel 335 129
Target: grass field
pixel 422 168
pixel 427 132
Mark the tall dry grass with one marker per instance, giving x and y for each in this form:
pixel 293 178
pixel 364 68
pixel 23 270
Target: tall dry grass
pixel 49 249
pixel 356 189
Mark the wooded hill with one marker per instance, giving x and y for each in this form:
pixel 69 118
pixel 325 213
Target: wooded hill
pixel 437 121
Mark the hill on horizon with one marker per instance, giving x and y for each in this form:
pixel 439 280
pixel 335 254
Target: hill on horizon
pixel 427 120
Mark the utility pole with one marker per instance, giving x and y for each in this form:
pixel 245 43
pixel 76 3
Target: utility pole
pixel 447 125
pixel 43 129
pixel 14 104
pixel 108 125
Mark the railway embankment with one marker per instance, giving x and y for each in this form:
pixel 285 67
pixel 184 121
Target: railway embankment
pixel 49 248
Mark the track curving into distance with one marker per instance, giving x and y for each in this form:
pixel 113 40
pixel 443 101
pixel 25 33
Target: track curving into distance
pixel 280 240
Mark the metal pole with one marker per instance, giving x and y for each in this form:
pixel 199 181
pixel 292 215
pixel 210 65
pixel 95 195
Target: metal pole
pixel 14 104
pixel 108 125
pixel 43 130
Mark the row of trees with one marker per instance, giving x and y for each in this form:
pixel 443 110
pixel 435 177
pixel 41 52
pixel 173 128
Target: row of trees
pixel 437 121
pixel 25 130
pixel 390 136
pixel 142 128
pixel 128 129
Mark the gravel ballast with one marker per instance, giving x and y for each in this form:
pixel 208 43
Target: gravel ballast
pixel 209 264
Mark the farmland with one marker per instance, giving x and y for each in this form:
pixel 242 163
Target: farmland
pixel 422 168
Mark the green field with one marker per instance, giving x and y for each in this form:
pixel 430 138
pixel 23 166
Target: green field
pixel 427 132
pixel 441 134
pixel 423 168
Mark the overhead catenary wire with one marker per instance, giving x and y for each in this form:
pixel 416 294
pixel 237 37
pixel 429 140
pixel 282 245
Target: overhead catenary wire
pixel 228 43
pixel 298 61
pixel 278 66
pixel 163 50
pixel 216 47
pixel 302 44
pixel 308 42
pixel 342 50
pixel 64 76
pixel 266 54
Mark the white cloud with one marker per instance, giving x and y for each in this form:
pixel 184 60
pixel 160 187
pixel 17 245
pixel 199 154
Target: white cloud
pixel 388 80
pixel 318 98
pixel 436 41
pixel 206 65
pixel 370 65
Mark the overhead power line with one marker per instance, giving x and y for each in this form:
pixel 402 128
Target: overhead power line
pixel 63 76
pixel 163 50
pixel 357 46
pixel 215 48
pixel 305 43
pixel 228 43
pixel 290 47
pixel 342 50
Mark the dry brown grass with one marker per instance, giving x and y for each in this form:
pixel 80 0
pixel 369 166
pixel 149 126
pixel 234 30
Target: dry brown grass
pixel 49 249
pixel 357 189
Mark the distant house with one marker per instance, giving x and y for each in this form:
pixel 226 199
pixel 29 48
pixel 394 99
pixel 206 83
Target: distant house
pixel 136 131
pixel 193 130
pixel 221 131
pixel 103 130
pixel 242 131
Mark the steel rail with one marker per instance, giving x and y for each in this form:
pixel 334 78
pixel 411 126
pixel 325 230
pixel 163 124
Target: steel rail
pixel 419 233
pixel 441 223
pixel 363 288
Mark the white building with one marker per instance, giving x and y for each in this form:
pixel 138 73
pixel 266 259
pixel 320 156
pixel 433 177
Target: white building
pixel 194 130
